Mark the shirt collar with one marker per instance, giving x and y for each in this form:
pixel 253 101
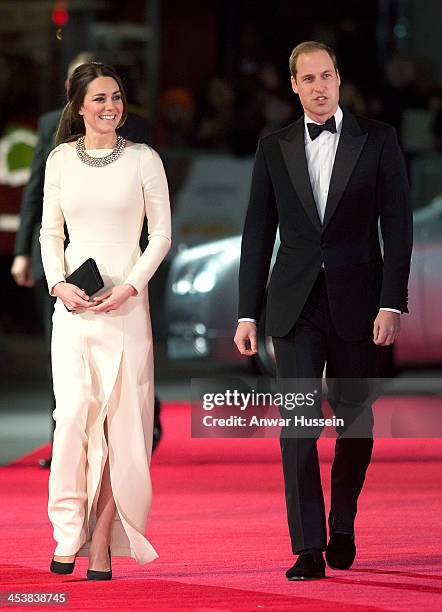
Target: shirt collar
pixel 338 119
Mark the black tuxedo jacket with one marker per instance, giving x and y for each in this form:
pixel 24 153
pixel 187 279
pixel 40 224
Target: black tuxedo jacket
pixel 27 239
pixel 368 184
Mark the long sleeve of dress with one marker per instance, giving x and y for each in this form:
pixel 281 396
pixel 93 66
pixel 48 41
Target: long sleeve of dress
pixel 52 227
pixel 157 207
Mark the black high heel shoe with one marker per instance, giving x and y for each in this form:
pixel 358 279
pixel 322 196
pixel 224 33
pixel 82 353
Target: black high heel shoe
pixel 58 567
pixel 99 575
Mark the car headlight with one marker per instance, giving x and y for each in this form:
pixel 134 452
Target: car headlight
pixel 199 279
pixel 205 280
pixel 183 286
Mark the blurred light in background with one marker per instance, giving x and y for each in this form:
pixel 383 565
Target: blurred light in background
pixel 60 15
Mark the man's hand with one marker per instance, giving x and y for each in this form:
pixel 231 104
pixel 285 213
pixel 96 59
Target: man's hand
pixel 112 299
pixel 386 327
pixel 245 338
pixel 21 271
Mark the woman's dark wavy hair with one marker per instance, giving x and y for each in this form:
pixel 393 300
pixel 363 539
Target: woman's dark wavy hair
pixel 71 124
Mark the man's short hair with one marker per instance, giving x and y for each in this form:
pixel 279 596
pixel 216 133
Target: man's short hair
pixel 308 47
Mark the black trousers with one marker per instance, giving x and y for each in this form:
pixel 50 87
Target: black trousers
pixel 303 353
pixel 45 306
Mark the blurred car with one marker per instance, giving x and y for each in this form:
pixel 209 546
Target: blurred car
pixel 202 298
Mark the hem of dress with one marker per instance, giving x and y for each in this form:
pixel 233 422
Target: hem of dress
pixel 118 551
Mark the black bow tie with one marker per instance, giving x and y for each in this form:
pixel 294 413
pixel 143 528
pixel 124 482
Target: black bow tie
pixel 314 129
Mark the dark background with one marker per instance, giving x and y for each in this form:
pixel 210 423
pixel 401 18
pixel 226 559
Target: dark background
pixel 211 75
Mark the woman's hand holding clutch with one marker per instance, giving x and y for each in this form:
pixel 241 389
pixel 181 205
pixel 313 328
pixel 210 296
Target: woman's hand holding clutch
pixel 112 299
pixel 72 297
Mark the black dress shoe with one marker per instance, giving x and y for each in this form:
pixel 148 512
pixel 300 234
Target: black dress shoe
pixel 341 550
pixel 57 567
pixel 157 428
pixel 157 433
pixel 100 575
pixel 307 567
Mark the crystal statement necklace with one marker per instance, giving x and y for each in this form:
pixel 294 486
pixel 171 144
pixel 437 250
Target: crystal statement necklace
pixel 99 161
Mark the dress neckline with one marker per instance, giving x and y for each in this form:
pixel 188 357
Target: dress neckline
pixel 105 149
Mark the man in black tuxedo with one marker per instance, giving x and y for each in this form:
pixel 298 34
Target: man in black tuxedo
pixel 27 266
pixel 326 180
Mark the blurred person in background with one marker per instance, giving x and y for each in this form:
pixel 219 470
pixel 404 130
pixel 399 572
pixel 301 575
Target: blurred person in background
pixel 102 186
pixel 326 181
pixel 435 107
pixel 276 110
pixel 27 267
pixel 248 114
pixel 352 99
pixel 401 89
pixel 176 119
pixel 214 130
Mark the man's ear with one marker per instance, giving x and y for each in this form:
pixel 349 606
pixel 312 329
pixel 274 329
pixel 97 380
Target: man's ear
pixel 338 76
pixel 294 85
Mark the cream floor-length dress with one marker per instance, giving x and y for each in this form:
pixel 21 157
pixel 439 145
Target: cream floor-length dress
pixel 103 363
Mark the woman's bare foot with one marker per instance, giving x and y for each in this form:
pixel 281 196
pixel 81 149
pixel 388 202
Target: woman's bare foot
pixel 64 559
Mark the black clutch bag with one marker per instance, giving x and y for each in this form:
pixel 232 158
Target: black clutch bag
pixel 86 277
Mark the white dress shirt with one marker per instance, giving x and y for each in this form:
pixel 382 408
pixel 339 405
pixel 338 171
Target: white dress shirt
pixel 320 154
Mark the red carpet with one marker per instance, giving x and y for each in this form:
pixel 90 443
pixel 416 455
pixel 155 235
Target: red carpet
pixel 218 523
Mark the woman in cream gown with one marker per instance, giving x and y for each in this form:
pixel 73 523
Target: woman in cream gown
pixel 102 357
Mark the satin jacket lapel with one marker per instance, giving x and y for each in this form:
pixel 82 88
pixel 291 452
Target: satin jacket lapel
pixel 293 151
pixel 351 143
